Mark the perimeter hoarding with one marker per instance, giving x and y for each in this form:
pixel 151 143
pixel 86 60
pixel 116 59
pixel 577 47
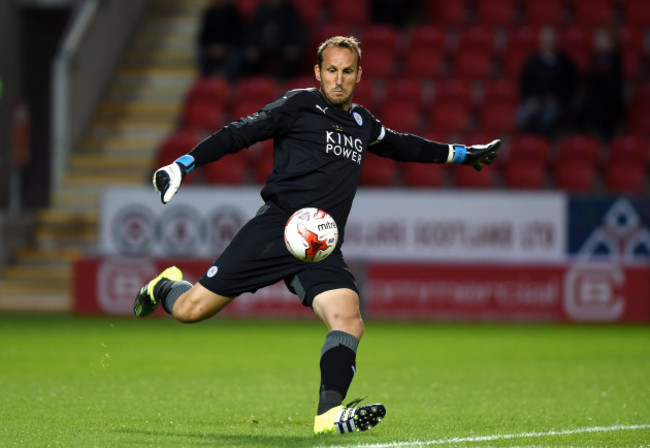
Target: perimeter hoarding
pixel 417 254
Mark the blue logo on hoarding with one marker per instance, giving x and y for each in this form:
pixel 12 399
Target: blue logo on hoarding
pixel 609 229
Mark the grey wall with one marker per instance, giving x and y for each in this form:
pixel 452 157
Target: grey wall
pixel 10 73
pixel 29 35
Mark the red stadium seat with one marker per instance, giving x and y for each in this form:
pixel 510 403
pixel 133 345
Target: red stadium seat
pixel 593 13
pixel 630 147
pixel 578 43
pixel 625 176
pixel 378 64
pixel 524 174
pixel 380 36
pixel 355 13
pixel 176 144
pixel 638 116
pixel 448 13
pixel 523 38
pixel 209 89
pixel 544 12
pixel 575 175
pixel 402 117
pixel 203 117
pixel 327 30
pixel 453 90
pixel 496 12
pixel 247 7
pixel 260 88
pixel 636 13
pixel 473 64
pixel 247 108
pixel 229 170
pixel 378 171
pixel 500 91
pixel 530 148
pixel 449 118
pixel 424 175
pixel 576 163
pixel 426 37
pixel 527 162
pixel 301 82
pixel 513 64
pixel 579 147
pixel 309 11
pixel 424 64
pixel 405 90
pixel 476 38
pixel 497 118
pixel 468 177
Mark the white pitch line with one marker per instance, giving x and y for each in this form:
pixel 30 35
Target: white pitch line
pixel 523 435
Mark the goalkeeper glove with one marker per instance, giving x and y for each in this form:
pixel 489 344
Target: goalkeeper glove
pixel 475 155
pixel 167 180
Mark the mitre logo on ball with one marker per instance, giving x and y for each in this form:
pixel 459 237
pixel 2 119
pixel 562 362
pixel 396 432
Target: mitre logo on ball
pixel 311 234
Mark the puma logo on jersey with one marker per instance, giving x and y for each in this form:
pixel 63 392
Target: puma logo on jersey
pixel 321 109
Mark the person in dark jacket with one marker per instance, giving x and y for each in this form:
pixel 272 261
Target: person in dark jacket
pixel 220 39
pixel 547 87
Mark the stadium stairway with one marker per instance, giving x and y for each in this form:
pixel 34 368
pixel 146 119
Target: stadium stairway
pixel 140 107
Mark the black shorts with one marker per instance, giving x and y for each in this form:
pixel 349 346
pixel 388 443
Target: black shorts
pixel 258 257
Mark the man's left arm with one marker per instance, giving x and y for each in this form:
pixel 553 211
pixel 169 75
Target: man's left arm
pixel 413 148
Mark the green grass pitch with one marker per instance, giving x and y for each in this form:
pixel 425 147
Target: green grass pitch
pixel 83 382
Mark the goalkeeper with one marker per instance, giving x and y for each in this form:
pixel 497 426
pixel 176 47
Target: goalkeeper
pixel 320 141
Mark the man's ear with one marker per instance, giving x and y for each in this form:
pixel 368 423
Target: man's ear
pixel 359 75
pixel 317 72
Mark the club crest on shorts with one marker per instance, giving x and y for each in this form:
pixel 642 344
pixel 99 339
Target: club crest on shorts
pixel 212 271
pixel 357 118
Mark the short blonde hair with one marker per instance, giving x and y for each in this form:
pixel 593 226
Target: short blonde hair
pixel 349 42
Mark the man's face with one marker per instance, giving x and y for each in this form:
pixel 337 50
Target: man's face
pixel 338 76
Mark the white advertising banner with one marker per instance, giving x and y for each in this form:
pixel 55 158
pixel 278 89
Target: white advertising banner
pixel 384 225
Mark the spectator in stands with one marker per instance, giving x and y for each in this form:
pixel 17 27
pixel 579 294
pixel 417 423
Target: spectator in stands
pixel 274 39
pixel 547 86
pixel 601 105
pixel 220 39
pixel 393 12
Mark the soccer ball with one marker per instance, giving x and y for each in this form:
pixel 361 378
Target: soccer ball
pixel 311 234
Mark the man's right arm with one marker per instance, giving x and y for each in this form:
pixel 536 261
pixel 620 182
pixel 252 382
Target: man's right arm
pixel 272 120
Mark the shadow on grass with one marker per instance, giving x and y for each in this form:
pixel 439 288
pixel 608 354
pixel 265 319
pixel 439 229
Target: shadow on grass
pixel 143 437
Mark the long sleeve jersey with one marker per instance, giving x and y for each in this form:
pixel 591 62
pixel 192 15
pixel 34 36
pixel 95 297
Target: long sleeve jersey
pixel 317 150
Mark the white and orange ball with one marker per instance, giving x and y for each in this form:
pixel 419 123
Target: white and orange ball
pixel 311 234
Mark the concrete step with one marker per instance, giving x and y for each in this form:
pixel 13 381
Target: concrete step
pixel 161 58
pixel 171 24
pixel 32 296
pixel 39 255
pixel 66 237
pixel 119 93
pixel 119 144
pixel 103 179
pixel 106 162
pixel 66 217
pixel 195 5
pixel 138 110
pixel 58 274
pixel 76 198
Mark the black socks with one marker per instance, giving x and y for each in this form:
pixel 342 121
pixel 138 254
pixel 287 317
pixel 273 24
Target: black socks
pixel 168 291
pixel 337 368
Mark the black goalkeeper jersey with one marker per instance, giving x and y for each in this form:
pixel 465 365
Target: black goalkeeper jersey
pixel 317 150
